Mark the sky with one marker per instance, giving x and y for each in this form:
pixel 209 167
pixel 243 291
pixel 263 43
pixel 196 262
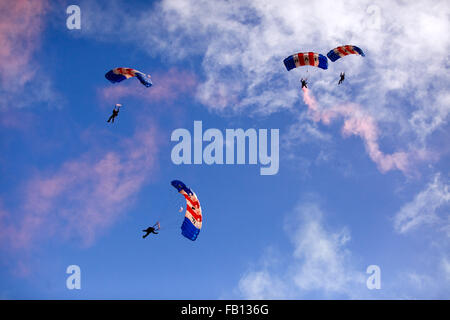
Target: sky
pixel 363 177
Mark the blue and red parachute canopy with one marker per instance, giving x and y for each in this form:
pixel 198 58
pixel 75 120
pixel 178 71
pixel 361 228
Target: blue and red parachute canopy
pixel 120 74
pixel 343 51
pixel 306 59
pixel 192 222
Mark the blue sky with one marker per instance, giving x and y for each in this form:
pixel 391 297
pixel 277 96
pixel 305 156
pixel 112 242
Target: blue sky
pixel 363 167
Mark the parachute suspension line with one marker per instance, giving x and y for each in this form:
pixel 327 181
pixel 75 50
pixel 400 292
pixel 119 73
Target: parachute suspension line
pixel 170 212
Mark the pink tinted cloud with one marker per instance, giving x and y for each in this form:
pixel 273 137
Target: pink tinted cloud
pixel 166 86
pixel 83 197
pixel 14 119
pixel 20 26
pixel 357 122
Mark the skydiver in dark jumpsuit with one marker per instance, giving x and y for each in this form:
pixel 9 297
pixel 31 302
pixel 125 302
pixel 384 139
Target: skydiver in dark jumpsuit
pixel 115 113
pixel 342 78
pixel 304 83
pixel 151 230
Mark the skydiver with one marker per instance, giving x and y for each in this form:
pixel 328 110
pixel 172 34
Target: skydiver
pixel 151 229
pixel 342 75
pixel 304 83
pixel 115 113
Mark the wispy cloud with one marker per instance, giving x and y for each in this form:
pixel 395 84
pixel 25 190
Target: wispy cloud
pixel 423 209
pixel 445 265
pixel 21 25
pixel 320 262
pixel 429 208
pixel 16 119
pixel 241 46
pixel 261 284
pixel 410 284
pixel 20 29
pixel 320 265
pixel 83 197
pixel 357 122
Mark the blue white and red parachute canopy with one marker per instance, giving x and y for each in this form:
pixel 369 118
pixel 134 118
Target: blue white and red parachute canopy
pixel 343 51
pixel 306 59
pixel 120 74
pixel 192 222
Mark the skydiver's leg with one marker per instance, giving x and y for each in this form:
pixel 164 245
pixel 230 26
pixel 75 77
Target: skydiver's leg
pixel 109 120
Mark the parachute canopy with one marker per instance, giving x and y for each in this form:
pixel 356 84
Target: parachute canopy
pixel 120 74
pixel 193 217
pixel 343 51
pixel 306 59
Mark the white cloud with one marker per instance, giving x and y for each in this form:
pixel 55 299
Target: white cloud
pixel 319 265
pixel 246 41
pixel 423 209
pixel 23 82
pixel 445 265
pixel 431 274
pixel 418 285
pixel 262 285
pixel 323 255
pixel 320 262
pixel 432 116
pixel 240 46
